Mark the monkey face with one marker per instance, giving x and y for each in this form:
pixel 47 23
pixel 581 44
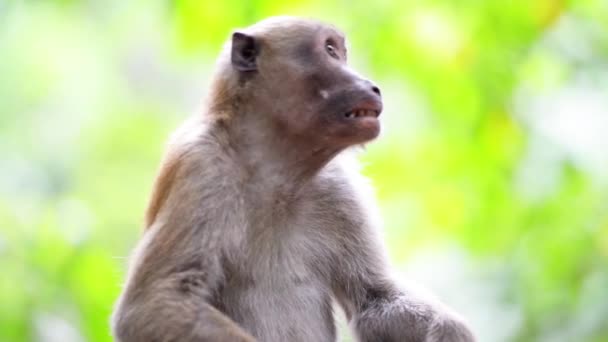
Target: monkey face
pixel 297 70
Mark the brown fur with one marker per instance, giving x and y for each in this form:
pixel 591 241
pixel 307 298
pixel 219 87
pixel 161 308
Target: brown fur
pixel 162 186
pixel 259 220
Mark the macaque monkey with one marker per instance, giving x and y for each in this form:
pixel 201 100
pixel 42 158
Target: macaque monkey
pixel 259 221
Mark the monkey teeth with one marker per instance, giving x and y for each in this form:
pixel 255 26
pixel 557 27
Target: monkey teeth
pixel 362 113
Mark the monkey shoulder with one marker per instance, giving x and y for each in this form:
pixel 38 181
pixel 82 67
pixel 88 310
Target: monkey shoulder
pixel 342 192
pixel 195 187
pixel 344 200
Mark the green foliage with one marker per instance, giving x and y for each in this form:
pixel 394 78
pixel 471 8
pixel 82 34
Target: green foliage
pixel 493 148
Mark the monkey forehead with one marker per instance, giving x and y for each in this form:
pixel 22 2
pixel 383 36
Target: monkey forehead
pixel 287 26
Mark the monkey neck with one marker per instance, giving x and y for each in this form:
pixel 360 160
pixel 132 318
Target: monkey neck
pixel 272 158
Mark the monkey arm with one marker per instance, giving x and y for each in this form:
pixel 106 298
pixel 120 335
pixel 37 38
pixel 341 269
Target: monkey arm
pixel 167 296
pixel 176 270
pixel 377 308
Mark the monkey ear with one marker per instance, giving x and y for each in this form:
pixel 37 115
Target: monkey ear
pixel 245 50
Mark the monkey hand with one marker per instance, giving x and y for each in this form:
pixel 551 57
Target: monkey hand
pixel 448 328
pixel 403 320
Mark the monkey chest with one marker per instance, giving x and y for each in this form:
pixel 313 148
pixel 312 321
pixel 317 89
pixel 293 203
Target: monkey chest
pixel 278 293
pixel 284 306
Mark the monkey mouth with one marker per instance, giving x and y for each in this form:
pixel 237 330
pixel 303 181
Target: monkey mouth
pixel 362 113
pixel 368 109
pixel 361 121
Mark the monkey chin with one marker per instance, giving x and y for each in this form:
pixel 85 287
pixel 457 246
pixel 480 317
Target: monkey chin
pixel 357 131
pixel 367 129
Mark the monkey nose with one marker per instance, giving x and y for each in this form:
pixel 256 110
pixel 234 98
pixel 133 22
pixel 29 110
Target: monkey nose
pixel 371 86
pixel 376 90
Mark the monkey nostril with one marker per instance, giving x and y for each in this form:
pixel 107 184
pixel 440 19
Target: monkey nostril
pixel 376 90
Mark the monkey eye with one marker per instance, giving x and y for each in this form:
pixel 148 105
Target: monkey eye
pixel 331 49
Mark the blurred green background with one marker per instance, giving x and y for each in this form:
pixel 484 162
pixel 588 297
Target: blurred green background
pixel 492 170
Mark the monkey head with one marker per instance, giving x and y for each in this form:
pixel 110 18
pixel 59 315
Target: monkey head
pixel 294 72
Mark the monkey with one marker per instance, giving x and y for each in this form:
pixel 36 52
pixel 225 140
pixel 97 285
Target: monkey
pixel 259 220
